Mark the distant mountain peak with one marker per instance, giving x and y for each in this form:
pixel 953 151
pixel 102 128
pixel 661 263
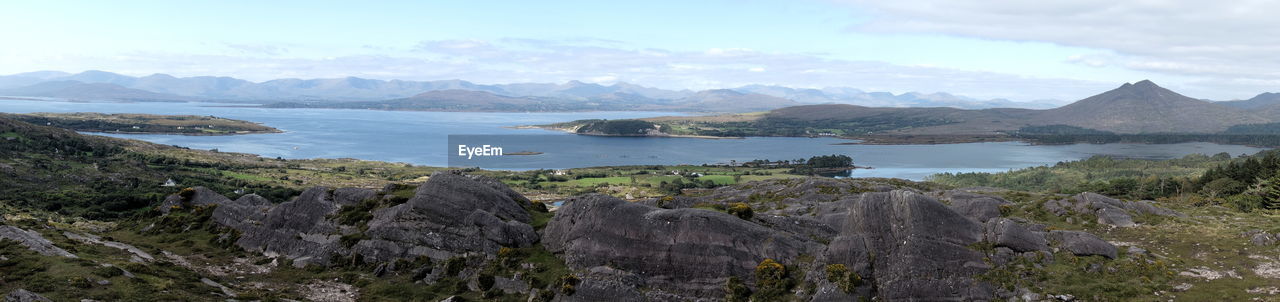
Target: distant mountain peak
pixel 1144 107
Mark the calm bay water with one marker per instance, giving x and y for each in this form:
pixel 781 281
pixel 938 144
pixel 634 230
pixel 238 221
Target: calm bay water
pixel 422 138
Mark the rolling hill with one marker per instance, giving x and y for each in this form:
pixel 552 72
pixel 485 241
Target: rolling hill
pixel 1136 108
pixel 89 91
pixel 1266 99
pixel 593 96
pixel 1145 107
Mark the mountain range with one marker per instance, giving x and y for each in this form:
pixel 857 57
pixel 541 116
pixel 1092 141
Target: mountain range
pixel 162 87
pixel 1141 107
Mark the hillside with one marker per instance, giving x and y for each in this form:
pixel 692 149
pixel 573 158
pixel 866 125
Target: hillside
pixel 1144 107
pixel 90 91
pixel 144 123
pixel 84 218
pixel 585 96
pixel 1263 100
pixel 724 100
pixel 1138 108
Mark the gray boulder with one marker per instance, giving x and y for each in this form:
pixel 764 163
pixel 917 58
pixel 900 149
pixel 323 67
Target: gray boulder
pixel 1115 216
pixel 603 283
pixel 33 241
pixel 912 246
pixel 450 214
pixel 1263 239
pixel 683 251
pixel 351 196
pixel 978 207
pixel 202 196
pixel 297 229
pixel 1083 244
pixel 246 211
pixel 22 295
pixel 1003 232
pixel 1109 211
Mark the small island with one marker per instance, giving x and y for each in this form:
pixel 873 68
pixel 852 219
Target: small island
pixel 136 123
pixel 623 127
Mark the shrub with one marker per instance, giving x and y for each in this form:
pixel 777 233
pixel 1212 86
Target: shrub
pixel 1246 202
pixel 545 296
pixel 485 281
pixel 538 206
pixel 741 210
pixel 735 291
pixel 772 280
pixel 568 284
pixel 454 266
pixel 846 280
pixel 187 193
pixel 350 240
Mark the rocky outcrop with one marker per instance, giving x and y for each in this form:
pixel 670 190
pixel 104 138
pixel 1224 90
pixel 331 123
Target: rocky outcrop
pixel 33 241
pixel 903 244
pixel 1083 244
pixel 685 251
pixel 978 207
pixel 1261 238
pixel 298 229
pixel 1109 211
pixel 450 214
pixel 912 247
pixel 137 254
pixel 351 196
pixel 1002 232
pixel 197 196
pixel 22 295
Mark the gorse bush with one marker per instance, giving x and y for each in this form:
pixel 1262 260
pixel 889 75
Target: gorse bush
pixel 772 280
pixel 846 280
pixel 568 284
pixel 741 210
pixel 736 291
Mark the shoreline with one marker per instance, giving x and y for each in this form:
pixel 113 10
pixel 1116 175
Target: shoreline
pixel 572 131
pixel 178 133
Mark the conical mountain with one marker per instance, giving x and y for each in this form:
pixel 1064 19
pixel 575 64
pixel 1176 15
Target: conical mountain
pixel 1145 107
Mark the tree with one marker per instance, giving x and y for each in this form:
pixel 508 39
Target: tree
pixel 1269 192
pixel 1221 187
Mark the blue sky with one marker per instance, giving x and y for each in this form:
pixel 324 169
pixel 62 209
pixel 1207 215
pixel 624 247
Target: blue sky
pixel 989 49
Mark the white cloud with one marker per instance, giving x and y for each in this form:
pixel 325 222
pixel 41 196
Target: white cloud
pixel 1206 40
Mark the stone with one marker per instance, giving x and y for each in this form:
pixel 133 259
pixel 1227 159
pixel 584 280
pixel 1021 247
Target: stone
pixel 1263 239
pixel 1083 244
pixel 450 214
pixel 684 251
pixel 1109 211
pixel 138 254
pixel 351 196
pixel 22 295
pixel 33 241
pixel 917 246
pixel 202 197
pixel 298 229
pixel 1115 216
pixel 978 207
pixel 1003 232
pixel 225 290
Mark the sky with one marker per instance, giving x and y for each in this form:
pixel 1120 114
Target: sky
pixel 1014 49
